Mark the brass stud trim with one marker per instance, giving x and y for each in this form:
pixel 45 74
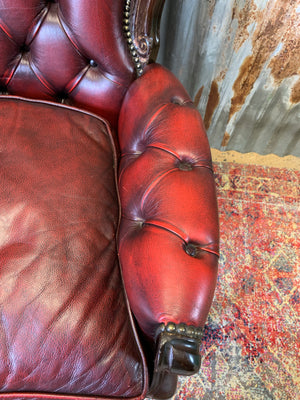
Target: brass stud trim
pixel 181 329
pixel 127 33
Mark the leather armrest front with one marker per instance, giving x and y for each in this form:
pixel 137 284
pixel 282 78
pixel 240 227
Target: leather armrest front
pixel 168 239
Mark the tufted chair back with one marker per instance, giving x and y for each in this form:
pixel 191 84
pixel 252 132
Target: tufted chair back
pixel 71 51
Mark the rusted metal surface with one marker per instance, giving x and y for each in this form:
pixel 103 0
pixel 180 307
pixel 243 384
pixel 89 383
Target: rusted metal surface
pixel 240 61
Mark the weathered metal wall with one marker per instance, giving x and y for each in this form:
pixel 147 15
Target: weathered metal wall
pixel 240 62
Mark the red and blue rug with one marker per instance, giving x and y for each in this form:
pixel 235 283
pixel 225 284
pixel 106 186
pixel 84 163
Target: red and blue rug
pixel 251 345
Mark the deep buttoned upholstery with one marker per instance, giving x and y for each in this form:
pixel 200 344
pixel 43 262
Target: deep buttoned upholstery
pixel 108 213
pixel 71 51
pixel 169 205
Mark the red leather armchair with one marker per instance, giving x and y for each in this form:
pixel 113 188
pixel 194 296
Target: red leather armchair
pixel 108 215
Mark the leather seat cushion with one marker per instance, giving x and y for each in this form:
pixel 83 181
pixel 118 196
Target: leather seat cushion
pixel 65 326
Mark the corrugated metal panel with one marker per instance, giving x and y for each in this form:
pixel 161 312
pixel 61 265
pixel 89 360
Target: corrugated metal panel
pixel 240 62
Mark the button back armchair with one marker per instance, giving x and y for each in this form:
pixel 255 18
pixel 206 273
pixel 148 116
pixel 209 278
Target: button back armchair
pixel 108 214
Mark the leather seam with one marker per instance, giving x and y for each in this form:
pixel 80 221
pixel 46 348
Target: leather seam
pixel 5 29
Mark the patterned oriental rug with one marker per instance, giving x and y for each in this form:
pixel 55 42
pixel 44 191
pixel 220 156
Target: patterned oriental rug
pixel 251 346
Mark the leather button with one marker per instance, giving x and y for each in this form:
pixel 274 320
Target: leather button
pixel 185 165
pixel 177 100
pixel 93 63
pixel 3 89
pixel 191 250
pixel 24 48
pixel 61 97
pixel 140 223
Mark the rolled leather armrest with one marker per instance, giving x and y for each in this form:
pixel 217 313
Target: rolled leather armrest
pixel 169 236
